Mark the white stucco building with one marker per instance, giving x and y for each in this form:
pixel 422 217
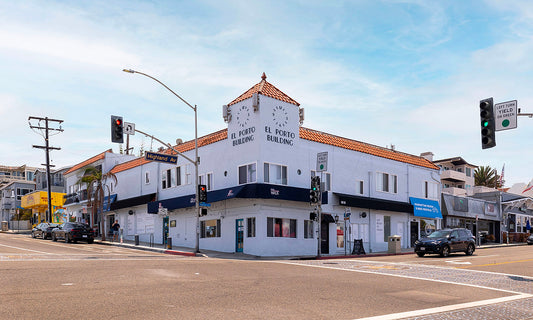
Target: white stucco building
pixel 258 172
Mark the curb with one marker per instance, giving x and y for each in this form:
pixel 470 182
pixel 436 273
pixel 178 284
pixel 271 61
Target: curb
pixel 160 250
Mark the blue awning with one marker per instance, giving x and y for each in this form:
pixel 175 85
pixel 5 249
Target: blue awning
pixel 108 200
pixel 247 191
pixel 426 208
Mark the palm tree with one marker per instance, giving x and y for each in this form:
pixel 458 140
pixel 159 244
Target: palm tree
pixel 486 176
pixel 96 183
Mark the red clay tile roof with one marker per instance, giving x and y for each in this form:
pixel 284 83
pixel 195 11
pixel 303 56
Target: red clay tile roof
pixel 267 89
pixel 184 147
pixel 87 162
pixel 326 138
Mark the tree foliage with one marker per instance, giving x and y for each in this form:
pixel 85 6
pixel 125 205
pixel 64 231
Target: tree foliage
pixel 97 184
pixel 487 176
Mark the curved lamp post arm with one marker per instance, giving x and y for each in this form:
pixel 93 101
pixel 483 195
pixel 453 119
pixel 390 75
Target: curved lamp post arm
pixel 161 83
pixel 196 162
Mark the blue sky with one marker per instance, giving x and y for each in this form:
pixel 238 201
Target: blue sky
pixel 403 73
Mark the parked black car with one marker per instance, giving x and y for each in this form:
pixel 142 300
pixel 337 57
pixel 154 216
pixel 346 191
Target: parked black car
pixel 530 239
pixel 43 230
pixel 73 231
pixel 446 241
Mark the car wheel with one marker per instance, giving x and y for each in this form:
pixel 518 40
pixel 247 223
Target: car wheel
pixel 420 254
pixel 445 251
pixel 43 235
pixel 470 250
pixel 33 235
pixel 54 238
pixel 90 241
pixel 67 238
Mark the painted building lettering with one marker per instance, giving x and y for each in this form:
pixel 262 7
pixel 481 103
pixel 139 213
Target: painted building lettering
pixel 243 136
pixel 280 136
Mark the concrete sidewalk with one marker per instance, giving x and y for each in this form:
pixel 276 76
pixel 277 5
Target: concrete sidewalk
pixel 184 251
pixel 189 252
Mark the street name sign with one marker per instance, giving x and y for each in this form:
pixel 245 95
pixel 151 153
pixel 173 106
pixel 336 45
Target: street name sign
pixel 505 114
pixel 160 157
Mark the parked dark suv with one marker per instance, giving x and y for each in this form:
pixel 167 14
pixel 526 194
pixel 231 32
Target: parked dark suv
pixel 73 231
pixel 446 241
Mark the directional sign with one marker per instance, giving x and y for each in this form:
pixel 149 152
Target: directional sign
pixel 505 115
pixel 322 161
pixel 129 128
pixel 160 157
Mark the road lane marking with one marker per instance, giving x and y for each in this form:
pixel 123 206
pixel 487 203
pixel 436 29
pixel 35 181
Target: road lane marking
pixel 42 252
pixel 494 264
pixel 424 312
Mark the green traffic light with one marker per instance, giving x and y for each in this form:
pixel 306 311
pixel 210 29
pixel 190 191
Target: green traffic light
pixel 485 124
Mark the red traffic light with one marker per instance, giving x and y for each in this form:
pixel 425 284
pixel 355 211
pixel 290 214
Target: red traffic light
pixel 118 122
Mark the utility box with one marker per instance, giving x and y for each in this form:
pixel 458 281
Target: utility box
pixel 395 244
pixel 5 226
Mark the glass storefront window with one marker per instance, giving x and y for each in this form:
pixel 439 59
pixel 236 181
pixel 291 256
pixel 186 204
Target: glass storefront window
pixel 427 227
pixel 340 236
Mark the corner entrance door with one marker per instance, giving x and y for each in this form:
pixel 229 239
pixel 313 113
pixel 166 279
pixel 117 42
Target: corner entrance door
pixel 239 235
pixel 165 230
pixel 414 232
pixel 324 237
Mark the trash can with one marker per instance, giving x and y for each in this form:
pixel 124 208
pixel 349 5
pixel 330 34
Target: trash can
pixel 395 244
pixel 5 226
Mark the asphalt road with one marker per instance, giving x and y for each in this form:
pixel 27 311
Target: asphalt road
pixel 54 280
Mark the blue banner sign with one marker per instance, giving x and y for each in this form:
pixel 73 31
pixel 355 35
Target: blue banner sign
pixel 160 157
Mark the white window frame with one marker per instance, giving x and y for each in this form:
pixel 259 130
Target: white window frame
pixel 168 177
pixel 431 190
pixel 147 177
pixel 359 186
pixel 209 181
pixel 279 168
pixel 249 173
pixel 391 180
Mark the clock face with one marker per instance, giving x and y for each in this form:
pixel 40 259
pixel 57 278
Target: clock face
pixel 243 116
pixel 280 116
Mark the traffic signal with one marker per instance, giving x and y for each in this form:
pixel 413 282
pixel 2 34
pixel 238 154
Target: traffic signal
pixel 314 192
pixel 312 216
pixel 117 129
pixel 488 126
pixel 202 193
pixel 203 212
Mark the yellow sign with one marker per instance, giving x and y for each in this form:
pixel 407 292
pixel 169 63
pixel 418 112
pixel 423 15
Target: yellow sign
pixel 38 199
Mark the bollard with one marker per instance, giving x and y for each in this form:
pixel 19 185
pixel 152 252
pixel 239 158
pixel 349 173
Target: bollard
pixel 136 239
pixel 169 243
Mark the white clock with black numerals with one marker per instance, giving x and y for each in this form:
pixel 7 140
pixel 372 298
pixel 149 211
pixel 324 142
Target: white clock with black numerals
pixel 280 116
pixel 243 116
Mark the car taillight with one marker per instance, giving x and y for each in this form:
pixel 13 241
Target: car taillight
pixel 75 230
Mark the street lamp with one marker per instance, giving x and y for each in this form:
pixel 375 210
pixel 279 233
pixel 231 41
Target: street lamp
pixel 195 162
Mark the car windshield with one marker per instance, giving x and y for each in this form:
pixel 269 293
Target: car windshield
pixel 440 234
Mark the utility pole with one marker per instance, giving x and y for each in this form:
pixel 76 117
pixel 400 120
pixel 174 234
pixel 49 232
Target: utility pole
pixel 47 148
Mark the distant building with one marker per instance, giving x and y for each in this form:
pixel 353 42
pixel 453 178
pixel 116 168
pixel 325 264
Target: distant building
pixel 457 175
pixel 10 174
pixel 10 199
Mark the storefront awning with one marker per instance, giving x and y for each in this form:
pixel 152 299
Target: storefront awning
pixel 373 203
pixel 132 202
pixel 426 208
pixel 108 200
pixel 248 191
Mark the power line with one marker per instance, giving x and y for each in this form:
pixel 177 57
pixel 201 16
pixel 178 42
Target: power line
pixel 45 131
